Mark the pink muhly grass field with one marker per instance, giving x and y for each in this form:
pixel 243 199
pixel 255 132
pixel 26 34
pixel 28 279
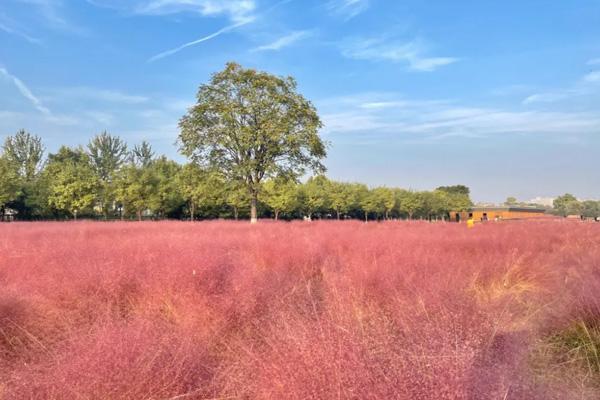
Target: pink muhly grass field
pixel 321 310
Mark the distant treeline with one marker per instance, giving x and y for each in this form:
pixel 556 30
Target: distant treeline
pixel 568 204
pixel 108 180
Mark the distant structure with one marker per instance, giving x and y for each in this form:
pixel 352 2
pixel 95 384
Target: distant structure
pixel 493 213
pixel 544 201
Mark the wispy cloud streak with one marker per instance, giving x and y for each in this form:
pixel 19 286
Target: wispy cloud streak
pixel 197 41
pixel 16 32
pixel 247 19
pixel 284 41
pixel 25 92
pixel 236 10
pixel 348 9
pixel 389 115
pixel 411 53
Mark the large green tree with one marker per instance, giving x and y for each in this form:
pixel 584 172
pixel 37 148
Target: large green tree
pixel 563 205
pixel 25 152
pixel 459 198
pixel 251 125
pixel 590 209
pixel 73 183
pixel 107 154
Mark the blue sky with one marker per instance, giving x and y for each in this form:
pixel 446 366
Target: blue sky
pixel 500 95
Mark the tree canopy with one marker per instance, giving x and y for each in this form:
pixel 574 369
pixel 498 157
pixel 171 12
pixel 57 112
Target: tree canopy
pixel 251 125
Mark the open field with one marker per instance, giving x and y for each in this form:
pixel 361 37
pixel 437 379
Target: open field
pixel 322 310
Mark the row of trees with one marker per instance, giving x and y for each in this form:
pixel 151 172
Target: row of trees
pixel 108 180
pixel 568 204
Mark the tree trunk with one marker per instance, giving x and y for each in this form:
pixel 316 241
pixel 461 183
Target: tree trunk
pixel 366 216
pixel 253 213
pixel 139 215
pixel 276 215
pixel 192 210
pixel 338 214
pixel 75 215
pixel 235 213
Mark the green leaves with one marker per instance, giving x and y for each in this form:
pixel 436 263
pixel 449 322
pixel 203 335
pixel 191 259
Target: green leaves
pixel 9 182
pixel 107 154
pixel 25 152
pixel 73 184
pixel 249 126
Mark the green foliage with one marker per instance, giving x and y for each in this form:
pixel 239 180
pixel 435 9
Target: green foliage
pixel 408 202
pixel 236 197
pixel 590 209
pixel 142 154
pixel 386 200
pixel 73 182
pixel 344 197
pixel 281 195
pixel 107 155
pixel 579 344
pixel 25 152
pixel 200 188
pixel 136 188
pixel 167 199
pixel 563 205
pixel 315 195
pixel 370 203
pixel 458 197
pixel 251 125
pixel 456 189
pixel 9 182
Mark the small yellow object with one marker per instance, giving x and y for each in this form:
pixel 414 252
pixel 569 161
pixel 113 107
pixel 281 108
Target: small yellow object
pixel 470 223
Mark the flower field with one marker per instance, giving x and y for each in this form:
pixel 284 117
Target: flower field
pixel 321 310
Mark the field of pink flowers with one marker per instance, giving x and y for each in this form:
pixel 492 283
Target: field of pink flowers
pixel 321 310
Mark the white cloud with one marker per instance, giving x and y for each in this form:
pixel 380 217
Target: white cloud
pixel 25 92
pixel 177 49
pixel 53 13
pixel 594 61
pixel 410 53
pixel 348 9
pixel 585 86
pixel 9 27
pixel 379 114
pixel 592 77
pixel 544 98
pixel 284 41
pixel 241 16
pixel 236 10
